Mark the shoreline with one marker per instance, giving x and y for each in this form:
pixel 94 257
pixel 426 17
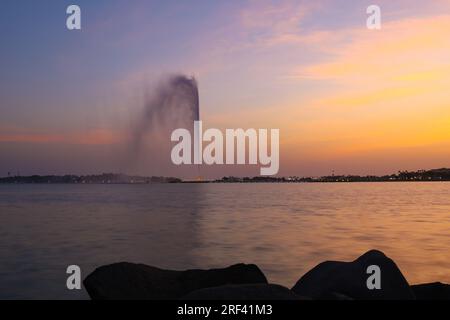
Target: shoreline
pixel 433 175
pixel 222 182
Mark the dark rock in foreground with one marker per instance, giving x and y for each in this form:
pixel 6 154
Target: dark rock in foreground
pixel 330 280
pixel 348 279
pixel 432 291
pixel 128 281
pixel 244 292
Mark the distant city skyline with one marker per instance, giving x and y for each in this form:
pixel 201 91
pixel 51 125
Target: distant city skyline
pixel 345 98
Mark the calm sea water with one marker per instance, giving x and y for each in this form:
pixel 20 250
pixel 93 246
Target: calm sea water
pixel 286 229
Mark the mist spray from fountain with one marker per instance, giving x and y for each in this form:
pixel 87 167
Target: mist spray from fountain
pixel 171 104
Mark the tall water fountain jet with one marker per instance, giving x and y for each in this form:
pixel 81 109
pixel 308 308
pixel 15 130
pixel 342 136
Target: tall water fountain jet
pixel 172 104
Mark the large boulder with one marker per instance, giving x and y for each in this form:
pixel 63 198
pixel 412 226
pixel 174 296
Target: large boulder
pixel 432 291
pixel 349 279
pixel 122 281
pixel 244 292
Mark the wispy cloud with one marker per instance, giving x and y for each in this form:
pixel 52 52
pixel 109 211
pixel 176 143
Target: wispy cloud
pixel 91 137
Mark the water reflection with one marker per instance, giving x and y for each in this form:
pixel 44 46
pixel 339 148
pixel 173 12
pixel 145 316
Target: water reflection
pixel 284 228
pixel 288 229
pixel 46 228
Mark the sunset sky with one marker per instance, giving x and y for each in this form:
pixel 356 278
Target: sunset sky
pixel 345 98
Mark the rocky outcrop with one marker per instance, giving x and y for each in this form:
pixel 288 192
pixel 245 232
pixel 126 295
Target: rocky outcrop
pixel 123 281
pixel 348 279
pixel 330 280
pixel 431 291
pixel 244 292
